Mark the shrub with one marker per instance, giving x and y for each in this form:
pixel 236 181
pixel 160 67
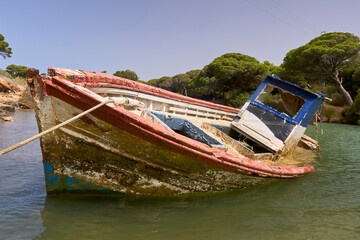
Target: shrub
pixel 337 99
pixel 351 115
pixel 331 90
pixel 329 112
pixel 239 99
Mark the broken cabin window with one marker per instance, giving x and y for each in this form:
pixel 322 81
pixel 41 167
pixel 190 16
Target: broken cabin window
pixel 281 100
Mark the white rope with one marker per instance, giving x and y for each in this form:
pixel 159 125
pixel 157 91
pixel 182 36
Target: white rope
pixel 54 128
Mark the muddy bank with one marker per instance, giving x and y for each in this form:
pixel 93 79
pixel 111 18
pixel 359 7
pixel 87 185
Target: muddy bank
pixel 13 96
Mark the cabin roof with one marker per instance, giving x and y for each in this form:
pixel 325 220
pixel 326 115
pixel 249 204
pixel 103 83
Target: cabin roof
pixel 290 87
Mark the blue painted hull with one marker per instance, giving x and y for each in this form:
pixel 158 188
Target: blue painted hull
pixel 56 183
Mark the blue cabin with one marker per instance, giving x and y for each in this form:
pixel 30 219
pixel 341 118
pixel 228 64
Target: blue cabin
pixel 277 114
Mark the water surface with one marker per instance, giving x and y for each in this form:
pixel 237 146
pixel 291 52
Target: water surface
pixel 322 205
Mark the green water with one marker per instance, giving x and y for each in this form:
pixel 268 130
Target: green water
pixel 322 205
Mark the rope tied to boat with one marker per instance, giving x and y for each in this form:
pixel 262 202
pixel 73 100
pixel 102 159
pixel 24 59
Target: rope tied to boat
pixel 15 146
pixel 319 116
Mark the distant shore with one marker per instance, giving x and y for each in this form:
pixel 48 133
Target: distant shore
pixel 13 96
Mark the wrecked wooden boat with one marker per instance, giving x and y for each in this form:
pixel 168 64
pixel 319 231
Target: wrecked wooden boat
pixel 150 141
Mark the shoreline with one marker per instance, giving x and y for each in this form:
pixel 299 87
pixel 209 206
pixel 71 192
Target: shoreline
pixel 13 96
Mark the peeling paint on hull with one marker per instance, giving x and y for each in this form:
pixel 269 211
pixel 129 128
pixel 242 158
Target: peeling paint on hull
pixel 59 183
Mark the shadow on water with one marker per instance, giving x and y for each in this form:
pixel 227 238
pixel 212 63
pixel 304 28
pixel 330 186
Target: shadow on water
pixel 322 205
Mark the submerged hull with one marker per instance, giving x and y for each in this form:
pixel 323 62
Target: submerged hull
pixel 114 150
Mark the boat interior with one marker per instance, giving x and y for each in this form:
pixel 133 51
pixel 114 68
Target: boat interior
pixel 206 125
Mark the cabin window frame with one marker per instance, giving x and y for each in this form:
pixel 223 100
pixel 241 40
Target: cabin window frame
pixel 260 98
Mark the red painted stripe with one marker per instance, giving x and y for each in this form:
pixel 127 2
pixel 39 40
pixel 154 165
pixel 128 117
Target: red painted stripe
pixel 97 79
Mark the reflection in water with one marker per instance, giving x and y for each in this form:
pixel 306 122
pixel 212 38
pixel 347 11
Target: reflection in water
pixel 322 205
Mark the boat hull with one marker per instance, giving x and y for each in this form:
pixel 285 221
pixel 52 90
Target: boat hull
pixel 114 150
pixel 98 156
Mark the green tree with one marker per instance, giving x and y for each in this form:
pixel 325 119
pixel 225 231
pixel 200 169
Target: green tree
pixel 128 74
pixel 235 70
pixel 17 70
pixel 228 72
pixel 239 99
pixel 203 88
pixel 164 83
pixel 178 83
pixel 323 58
pixel 271 68
pixel 5 50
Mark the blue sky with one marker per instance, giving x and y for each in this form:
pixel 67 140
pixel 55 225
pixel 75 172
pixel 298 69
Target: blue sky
pixel 158 38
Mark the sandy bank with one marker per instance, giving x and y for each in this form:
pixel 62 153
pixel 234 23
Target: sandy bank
pixel 13 96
